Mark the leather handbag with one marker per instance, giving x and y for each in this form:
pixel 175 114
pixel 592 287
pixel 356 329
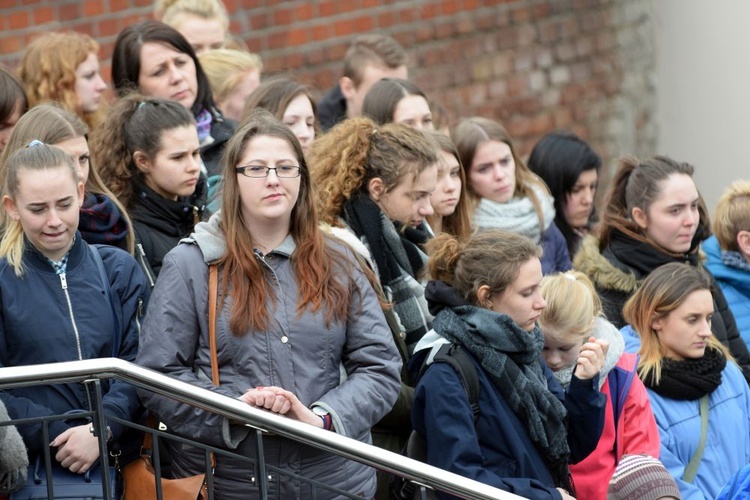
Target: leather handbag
pixel 138 476
pixel 66 485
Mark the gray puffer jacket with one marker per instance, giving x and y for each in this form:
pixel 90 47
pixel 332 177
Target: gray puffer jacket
pixel 297 353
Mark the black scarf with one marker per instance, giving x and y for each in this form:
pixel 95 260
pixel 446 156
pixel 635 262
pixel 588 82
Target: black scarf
pixel 642 257
pixel 510 356
pixel 399 260
pixel 689 379
pixel 366 219
pixel 100 221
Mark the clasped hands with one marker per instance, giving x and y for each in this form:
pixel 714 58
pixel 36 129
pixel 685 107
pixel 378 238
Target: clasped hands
pixel 282 402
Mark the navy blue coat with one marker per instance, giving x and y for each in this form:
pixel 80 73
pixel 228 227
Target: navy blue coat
pixel 37 326
pixel 555 257
pixel 499 451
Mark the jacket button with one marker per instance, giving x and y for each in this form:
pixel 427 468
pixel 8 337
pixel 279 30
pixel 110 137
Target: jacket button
pixel 284 339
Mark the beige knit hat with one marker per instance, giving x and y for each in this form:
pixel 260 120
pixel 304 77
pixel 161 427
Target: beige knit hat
pixel 640 477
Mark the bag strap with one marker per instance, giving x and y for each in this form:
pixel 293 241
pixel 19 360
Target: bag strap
pixel 108 291
pixel 692 467
pixel 213 292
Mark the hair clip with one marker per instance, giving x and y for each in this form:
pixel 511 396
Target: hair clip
pixel 374 131
pixel 35 142
pixel 569 276
pixel 141 104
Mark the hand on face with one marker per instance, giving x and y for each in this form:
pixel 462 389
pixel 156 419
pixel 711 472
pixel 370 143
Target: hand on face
pixel 591 359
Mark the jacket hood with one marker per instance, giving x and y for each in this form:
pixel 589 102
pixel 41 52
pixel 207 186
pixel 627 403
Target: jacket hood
pixel 440 295
pixel 590 261
pixel 738 278
pixel 209 237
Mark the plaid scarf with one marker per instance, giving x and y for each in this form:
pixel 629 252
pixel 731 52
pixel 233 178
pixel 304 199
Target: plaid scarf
pixel 102 222
pixel 399 260
pixel 510 356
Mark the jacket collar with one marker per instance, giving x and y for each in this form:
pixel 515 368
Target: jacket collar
pixel 35 259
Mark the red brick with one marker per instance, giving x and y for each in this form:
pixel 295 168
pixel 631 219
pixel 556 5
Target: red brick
pixel 10 44
pixel 343 27
pixel 282 16
pixel 294 60
pixel 143 3
pixel 18 20
pixel 298 36
pixel 329 8
pixel 44 15
pixel 449 7
pixel 320 32
pixel 363 24
pixel 277 40
pixel 303 12
pixel 386 19
pixel 430 10
pixel 93 8
pixel 522 15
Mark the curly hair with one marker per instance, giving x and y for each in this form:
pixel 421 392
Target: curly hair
pixel 345 159
pixel 48 70
pixel 134 123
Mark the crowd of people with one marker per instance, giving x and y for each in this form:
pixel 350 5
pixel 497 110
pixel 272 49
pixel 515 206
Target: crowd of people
pixel 357 264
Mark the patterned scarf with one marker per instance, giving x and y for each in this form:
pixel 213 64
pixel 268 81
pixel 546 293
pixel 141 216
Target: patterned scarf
pixel 100 221
pixel 517 215
pixel 510 356
pixel 398 259
pixel 204 120
pixel 689 379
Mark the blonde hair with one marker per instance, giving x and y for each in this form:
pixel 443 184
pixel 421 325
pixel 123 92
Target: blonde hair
pixel 225 69
pixel 52 125
pixel 48 71
pixel 170 11
pixel 38 157
pixel 665 289
pixel 572 305
pixel 732 215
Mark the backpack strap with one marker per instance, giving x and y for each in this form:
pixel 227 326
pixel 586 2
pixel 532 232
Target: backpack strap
pixel 461 361
pixel 618 393
pixel 692 467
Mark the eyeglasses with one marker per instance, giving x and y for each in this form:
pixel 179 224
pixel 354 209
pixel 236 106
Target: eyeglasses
pixel 260 171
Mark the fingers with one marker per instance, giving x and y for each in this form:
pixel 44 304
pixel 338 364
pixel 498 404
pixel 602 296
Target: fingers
pixel 273 399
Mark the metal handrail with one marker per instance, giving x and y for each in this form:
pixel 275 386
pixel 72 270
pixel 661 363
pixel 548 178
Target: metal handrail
pixel 79 371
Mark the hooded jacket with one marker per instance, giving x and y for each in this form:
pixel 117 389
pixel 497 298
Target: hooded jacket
pixel 734 282
pixel 616 281
pixel 73 314
pixel 160 224
pixel 296 352
pixel 727 447
pixel 497 450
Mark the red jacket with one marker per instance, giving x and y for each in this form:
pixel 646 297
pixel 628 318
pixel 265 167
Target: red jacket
pixel 636 433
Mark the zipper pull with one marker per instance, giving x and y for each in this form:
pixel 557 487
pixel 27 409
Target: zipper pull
pixel 64 281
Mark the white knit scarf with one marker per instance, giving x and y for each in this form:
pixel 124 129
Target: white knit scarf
pixel 516 215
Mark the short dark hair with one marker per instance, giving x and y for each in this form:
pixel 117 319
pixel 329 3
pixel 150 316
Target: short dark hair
pixel 372 48
pixel 11 91
pixel 126 59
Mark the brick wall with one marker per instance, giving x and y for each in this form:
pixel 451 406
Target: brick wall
pixel 536 65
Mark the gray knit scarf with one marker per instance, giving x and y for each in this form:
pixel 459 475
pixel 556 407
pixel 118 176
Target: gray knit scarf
pixel 510 356
pixel 516 215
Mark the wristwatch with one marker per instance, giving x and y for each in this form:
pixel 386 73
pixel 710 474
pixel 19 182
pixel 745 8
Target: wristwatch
pixel 325 416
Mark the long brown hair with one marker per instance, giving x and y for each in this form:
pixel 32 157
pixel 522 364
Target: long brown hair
pixel 459 222
pixel 314 262
pixel 663 291
pixel 637 183
pixel 472 132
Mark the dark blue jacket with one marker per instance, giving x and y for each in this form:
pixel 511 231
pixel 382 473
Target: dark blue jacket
pixel 499 451
pixel 555 257
pixel 39 315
